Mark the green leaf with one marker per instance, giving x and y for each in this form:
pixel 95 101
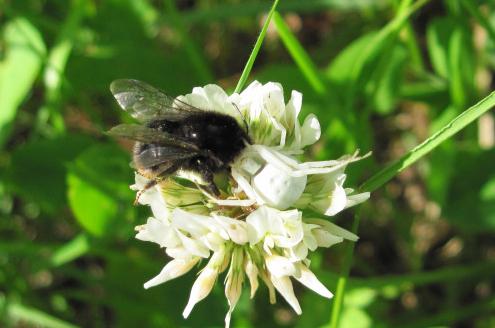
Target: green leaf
pixel 341 67
pixel 462 66
pixel 22 60
pixel 38 168
pixel 383 88
pixel 380 76
pixel 98 181
pixel 437 37
pixel 451 52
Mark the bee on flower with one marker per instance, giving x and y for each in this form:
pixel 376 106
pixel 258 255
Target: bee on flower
pixel 251 226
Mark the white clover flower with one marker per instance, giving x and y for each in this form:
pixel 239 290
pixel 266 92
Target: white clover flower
pixel 258 230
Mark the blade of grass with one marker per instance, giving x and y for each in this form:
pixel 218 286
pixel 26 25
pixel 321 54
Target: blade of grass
pixel 338 299
pixel 429 144
pixel 71 250
pixel 53 76
pixel 23 315
pixel 256 49
pixel 390 171
pixel 300 56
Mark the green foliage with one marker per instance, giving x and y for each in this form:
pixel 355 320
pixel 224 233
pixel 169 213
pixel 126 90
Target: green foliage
pixel 93 200
pixel 38 169
pixel 24 52
pixel 403 79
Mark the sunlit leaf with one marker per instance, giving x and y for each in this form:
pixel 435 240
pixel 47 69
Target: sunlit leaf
pixel 98 181
pixel 19 67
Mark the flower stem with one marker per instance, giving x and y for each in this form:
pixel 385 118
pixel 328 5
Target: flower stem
pixel 256 49
pixel 342 281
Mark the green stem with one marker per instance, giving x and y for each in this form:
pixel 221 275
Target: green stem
pixel 338 300
pixel 256 49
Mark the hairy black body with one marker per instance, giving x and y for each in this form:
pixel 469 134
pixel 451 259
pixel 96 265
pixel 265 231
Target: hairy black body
pixel 218 135
pixel 175 137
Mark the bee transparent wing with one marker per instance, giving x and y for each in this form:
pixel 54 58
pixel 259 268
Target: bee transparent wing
pixel 146 103
pixel 144 134
pixel 160 156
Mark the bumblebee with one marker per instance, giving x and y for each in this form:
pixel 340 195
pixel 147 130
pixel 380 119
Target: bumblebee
pixel 176 138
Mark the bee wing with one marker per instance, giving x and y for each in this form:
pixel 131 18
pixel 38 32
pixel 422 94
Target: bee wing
pixel 161 155
pixel 144 134
pixel 146 103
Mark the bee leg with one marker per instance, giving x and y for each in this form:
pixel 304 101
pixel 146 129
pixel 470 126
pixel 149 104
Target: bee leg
pixel 209 185
pixel 147 186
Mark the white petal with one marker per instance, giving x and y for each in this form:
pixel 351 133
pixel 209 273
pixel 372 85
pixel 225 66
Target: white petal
pixel 195 224
pixel 172 270
pixel 279 266
pixel 201 288
pixel 262 221
pixel 310 131
pixel 233 282
pixel 214 241
pixel 271 290
pixel 299 252
pixel 309 280
pixel 334 229
pixel 293 232
pixel 158 231
pixel 325 238
pixel 252 274
pixel 309 240
pixel 236 229
pixel 179 252
pixel 193 246
pixel 284 287
pixel 333 203
pixel 159 209
pixel 274 99
pixel 357 199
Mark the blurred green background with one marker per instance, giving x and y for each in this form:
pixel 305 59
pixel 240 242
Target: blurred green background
pixel 68 256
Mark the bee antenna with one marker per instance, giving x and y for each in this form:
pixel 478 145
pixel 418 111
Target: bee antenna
pixel 243 119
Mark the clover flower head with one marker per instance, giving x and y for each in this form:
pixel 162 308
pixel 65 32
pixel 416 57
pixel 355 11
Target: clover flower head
pixel 256 231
